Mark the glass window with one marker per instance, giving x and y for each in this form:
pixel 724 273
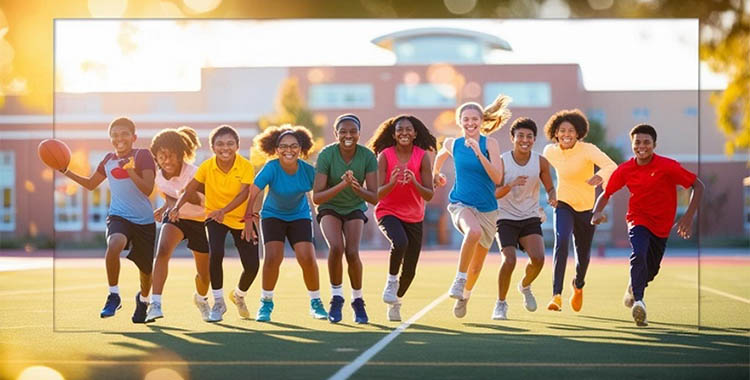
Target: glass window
pixel 425 95
pixel 641 113
pixel 598 115
pixel 438 49
pixel 68 205
pixel 524 94
pixel 98 199
pixel 8 190
pixel 690 111
pixel 338 96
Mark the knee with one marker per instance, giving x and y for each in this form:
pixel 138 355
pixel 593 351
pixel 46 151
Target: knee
pixel 352 255
pixel 509 259
pixel 399 246
pixel 336 250
pixel 473 234
pixel 537 261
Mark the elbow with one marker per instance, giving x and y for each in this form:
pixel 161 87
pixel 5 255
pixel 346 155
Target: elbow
pixel 428 197
pixel 316 199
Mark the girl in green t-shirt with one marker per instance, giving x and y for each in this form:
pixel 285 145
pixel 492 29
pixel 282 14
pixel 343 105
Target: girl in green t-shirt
pixel 341 169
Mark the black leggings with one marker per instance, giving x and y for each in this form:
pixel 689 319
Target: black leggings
pixel 406 244
pixel 248 251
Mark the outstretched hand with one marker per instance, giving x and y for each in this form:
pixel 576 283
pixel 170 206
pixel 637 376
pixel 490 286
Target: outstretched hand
pixel 684 227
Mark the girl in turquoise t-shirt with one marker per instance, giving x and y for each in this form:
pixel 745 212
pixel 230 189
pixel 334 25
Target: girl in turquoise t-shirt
pixel 341 171
pixel 285 213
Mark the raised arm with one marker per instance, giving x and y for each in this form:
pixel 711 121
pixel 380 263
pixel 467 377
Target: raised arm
pixel 88 183
pixel 545 175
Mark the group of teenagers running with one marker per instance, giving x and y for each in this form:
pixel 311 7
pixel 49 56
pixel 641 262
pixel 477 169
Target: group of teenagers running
pixel 398 171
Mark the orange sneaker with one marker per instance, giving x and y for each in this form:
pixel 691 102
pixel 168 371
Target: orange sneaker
pixel 555 304
pixel 576 300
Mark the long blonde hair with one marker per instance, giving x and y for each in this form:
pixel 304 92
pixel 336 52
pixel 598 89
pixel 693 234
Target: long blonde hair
pixel 493 117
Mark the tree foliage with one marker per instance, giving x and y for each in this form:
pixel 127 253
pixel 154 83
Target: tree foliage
pixel 598 136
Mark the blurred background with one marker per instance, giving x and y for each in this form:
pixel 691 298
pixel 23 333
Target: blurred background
pixel 68 68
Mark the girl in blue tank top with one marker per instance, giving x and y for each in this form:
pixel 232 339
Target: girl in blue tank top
pixel 472 206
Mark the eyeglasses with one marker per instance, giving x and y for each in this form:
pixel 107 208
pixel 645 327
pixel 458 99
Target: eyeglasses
pixel 288 146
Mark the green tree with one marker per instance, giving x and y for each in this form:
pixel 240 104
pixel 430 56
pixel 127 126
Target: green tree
pixel 598 136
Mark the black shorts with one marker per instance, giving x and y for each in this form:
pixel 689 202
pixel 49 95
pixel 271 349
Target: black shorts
pixel 193 231
pixel 275 229
pixel 141 240
pixel 509 231
pixel 356 214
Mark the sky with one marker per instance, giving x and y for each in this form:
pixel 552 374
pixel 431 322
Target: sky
pixel 167 55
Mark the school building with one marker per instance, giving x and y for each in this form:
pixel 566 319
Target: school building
pixel 36 202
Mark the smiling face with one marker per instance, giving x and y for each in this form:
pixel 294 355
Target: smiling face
pixel 471 120
pixel 348 134
pixel 404 133
pixel 122 139
pixel 643 147
pixel 566 135
pixel 288 149
pixel 168 161
pixel 225 147
pixel 523 139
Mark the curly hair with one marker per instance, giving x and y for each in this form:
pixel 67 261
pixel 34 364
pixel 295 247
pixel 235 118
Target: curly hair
pixel 574 117
pixel 523 122
pixel 182 141
pixel 383 137
pixel 268 140
pixel 494 116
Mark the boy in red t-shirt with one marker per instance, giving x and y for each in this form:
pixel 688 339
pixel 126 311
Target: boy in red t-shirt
pixel 652 181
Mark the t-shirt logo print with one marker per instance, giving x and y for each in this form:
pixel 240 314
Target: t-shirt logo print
pixel 118 172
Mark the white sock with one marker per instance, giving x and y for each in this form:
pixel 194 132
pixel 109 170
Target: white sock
pixel 399 299
pixel 266 294
pixel 114 289
pixel 239 292
pixel 467 294
pixel 313 294
pixel 337 290
pixel 356 293
pixel 156 298
pixel 392 277
pixel 142 298
pixel 500 301
pixel 461 275
pixel 218 293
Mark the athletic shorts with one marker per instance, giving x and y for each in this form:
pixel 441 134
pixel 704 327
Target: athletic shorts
pixel 193 231
pixel 356 214
pixel 486 221
pixel 275 229
pixel 510 231
pixel 141 239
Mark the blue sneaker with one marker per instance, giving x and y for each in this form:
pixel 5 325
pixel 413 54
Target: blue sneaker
pixel 360 315
pixel 334 313
pixel 111 306
pixel 264 313
pixel 141 308
pixel 317 310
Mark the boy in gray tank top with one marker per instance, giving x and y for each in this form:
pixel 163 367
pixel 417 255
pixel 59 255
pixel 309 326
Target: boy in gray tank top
pixel 519 223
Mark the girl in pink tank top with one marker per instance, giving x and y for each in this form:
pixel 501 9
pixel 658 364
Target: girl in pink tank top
pixel 402 144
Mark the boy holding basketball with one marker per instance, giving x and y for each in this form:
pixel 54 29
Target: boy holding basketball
pixel 652 181
pixel 130 219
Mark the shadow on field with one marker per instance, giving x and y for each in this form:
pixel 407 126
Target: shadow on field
pixel 613 348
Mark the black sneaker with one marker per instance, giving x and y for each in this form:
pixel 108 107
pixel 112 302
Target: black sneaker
pixel 334 313
pixel 139 316
pixel 111 306
pixel 360 315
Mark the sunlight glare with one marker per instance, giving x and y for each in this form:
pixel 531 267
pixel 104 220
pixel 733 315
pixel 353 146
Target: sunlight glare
pixel 39 372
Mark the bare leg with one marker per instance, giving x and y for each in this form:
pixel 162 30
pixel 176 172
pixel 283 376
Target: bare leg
pixel 506 270
pixel 272 263
pixel 472 231
pixel 352 236
pixel 332 231
pixel 169 237
pixel 534 245
pixel 115 244
pixel 203 278
pixel 475 267
pixel 305 252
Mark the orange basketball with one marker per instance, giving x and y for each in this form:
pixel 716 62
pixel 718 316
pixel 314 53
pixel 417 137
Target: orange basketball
pixel 54 153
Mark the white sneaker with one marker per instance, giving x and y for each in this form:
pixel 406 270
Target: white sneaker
pixel 389 293
pixel 239 301
pixel 203 306
pixel 501 310
pixel 217 312
pixel 628 299
pixel 529 302
pixel 394 312
pixel 639 313
pixel 154 312
pixel 457 289
pixel 459 308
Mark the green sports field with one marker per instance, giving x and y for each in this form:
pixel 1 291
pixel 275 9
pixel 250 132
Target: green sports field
pixel 63 331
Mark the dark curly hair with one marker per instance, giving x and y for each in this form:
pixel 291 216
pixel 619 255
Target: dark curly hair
pixel 182 141
pixel 383 137
pixel 574 117
pixel 268 140
pixel 523 122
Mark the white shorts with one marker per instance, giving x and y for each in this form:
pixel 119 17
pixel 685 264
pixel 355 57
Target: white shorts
pixel 487 221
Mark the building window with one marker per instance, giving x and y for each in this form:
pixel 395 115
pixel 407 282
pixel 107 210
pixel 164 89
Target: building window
pixel 438 49
pixel 98 199
pixel 524 94
pixel 339 96
pixel 68 205
pixel 597 114
pixel 641 113
pixel 690 111
pixel 425 95
pixel 8 190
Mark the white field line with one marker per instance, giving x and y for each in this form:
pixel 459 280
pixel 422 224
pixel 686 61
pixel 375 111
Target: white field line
pixel 50 290
pixel 352 367
pixel 716 291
